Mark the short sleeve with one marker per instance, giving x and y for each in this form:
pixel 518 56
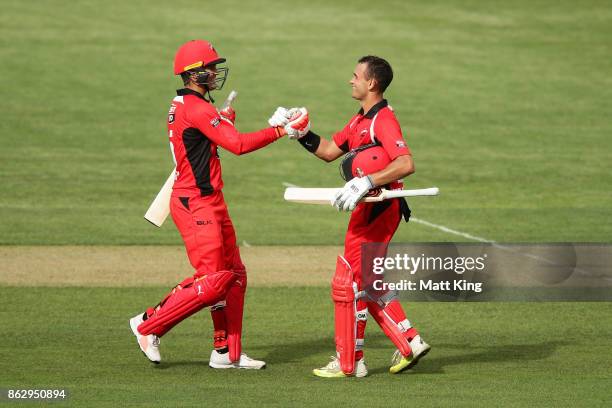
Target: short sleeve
pixel 341 138
pixel 388 132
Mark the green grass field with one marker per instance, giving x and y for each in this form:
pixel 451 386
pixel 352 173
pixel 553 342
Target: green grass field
pixel 505 105
pixel 504 354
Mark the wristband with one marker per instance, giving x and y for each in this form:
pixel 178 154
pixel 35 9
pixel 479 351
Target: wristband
pixel 279 132
pixel 310 141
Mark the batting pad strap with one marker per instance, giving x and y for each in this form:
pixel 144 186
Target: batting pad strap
pixel 404 325
pixel 362 315
pixel 359 344
pixel 217 306
pixel 310 141
pixel 385 299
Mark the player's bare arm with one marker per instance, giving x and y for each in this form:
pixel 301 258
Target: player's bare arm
pixel 401 167
pixel 328 151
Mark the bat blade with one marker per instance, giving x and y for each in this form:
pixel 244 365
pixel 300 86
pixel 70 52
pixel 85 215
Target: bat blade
pixel 387 194
pixel 310 195
pixel 325 195
pixel 160 207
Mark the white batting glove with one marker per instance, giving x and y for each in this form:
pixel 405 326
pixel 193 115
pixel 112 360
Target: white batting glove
pixel 299 123
pixel 279 118
pixel 347 197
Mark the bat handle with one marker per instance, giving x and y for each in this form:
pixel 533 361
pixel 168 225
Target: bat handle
pixel 230 98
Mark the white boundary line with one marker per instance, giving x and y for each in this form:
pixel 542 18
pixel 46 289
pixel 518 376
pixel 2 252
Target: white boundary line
pixel 451 231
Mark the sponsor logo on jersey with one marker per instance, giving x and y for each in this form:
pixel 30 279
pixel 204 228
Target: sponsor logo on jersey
pixel 400 143
pixel 171 113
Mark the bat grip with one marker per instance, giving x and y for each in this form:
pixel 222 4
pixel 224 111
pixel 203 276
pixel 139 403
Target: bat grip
pixel 229 100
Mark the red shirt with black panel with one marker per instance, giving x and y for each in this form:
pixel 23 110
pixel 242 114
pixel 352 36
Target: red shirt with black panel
pixel 378 126
pixel 196 131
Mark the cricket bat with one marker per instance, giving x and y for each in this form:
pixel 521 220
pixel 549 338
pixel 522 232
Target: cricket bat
pixel 160 207
pixel 325 195
pixel 230 98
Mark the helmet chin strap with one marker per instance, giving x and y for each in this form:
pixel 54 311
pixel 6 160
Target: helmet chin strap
pixel 209 95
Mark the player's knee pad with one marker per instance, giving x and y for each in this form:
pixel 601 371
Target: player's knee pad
pixel 234 311
pixel 185 283
pixel 393 324
pixel 185 299
pixel 214 286
pixel 344 296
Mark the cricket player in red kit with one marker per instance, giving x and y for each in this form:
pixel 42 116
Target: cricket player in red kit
pixel 376 156
pixel 196 130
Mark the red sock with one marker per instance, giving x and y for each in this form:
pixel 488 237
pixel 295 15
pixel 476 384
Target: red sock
pixel 217 312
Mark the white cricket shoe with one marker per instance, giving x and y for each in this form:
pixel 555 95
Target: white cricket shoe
pixel 333 369
pixel 222 361
pixel 419 347
pixel 400 363
pixel 148 344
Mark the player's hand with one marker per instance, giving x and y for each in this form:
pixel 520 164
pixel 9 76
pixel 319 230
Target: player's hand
pixel 347 197
pixel 228 113
pixel 279 118
pixel 299 123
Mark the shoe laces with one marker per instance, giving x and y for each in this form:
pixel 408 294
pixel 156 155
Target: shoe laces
pixel 334 363
pixel 397 357
pixel 245 357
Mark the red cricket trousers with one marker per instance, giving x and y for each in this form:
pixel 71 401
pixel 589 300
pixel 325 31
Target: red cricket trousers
pixel 210 240
pixel 208 233
pixel 370 222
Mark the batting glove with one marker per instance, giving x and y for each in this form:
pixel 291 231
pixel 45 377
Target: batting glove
pixel 347 197
pixel 229 114
pixel 279 118
pixel 299 123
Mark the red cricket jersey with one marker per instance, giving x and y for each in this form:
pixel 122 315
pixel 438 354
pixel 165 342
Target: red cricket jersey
pixel 195 130
pixel 378 125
